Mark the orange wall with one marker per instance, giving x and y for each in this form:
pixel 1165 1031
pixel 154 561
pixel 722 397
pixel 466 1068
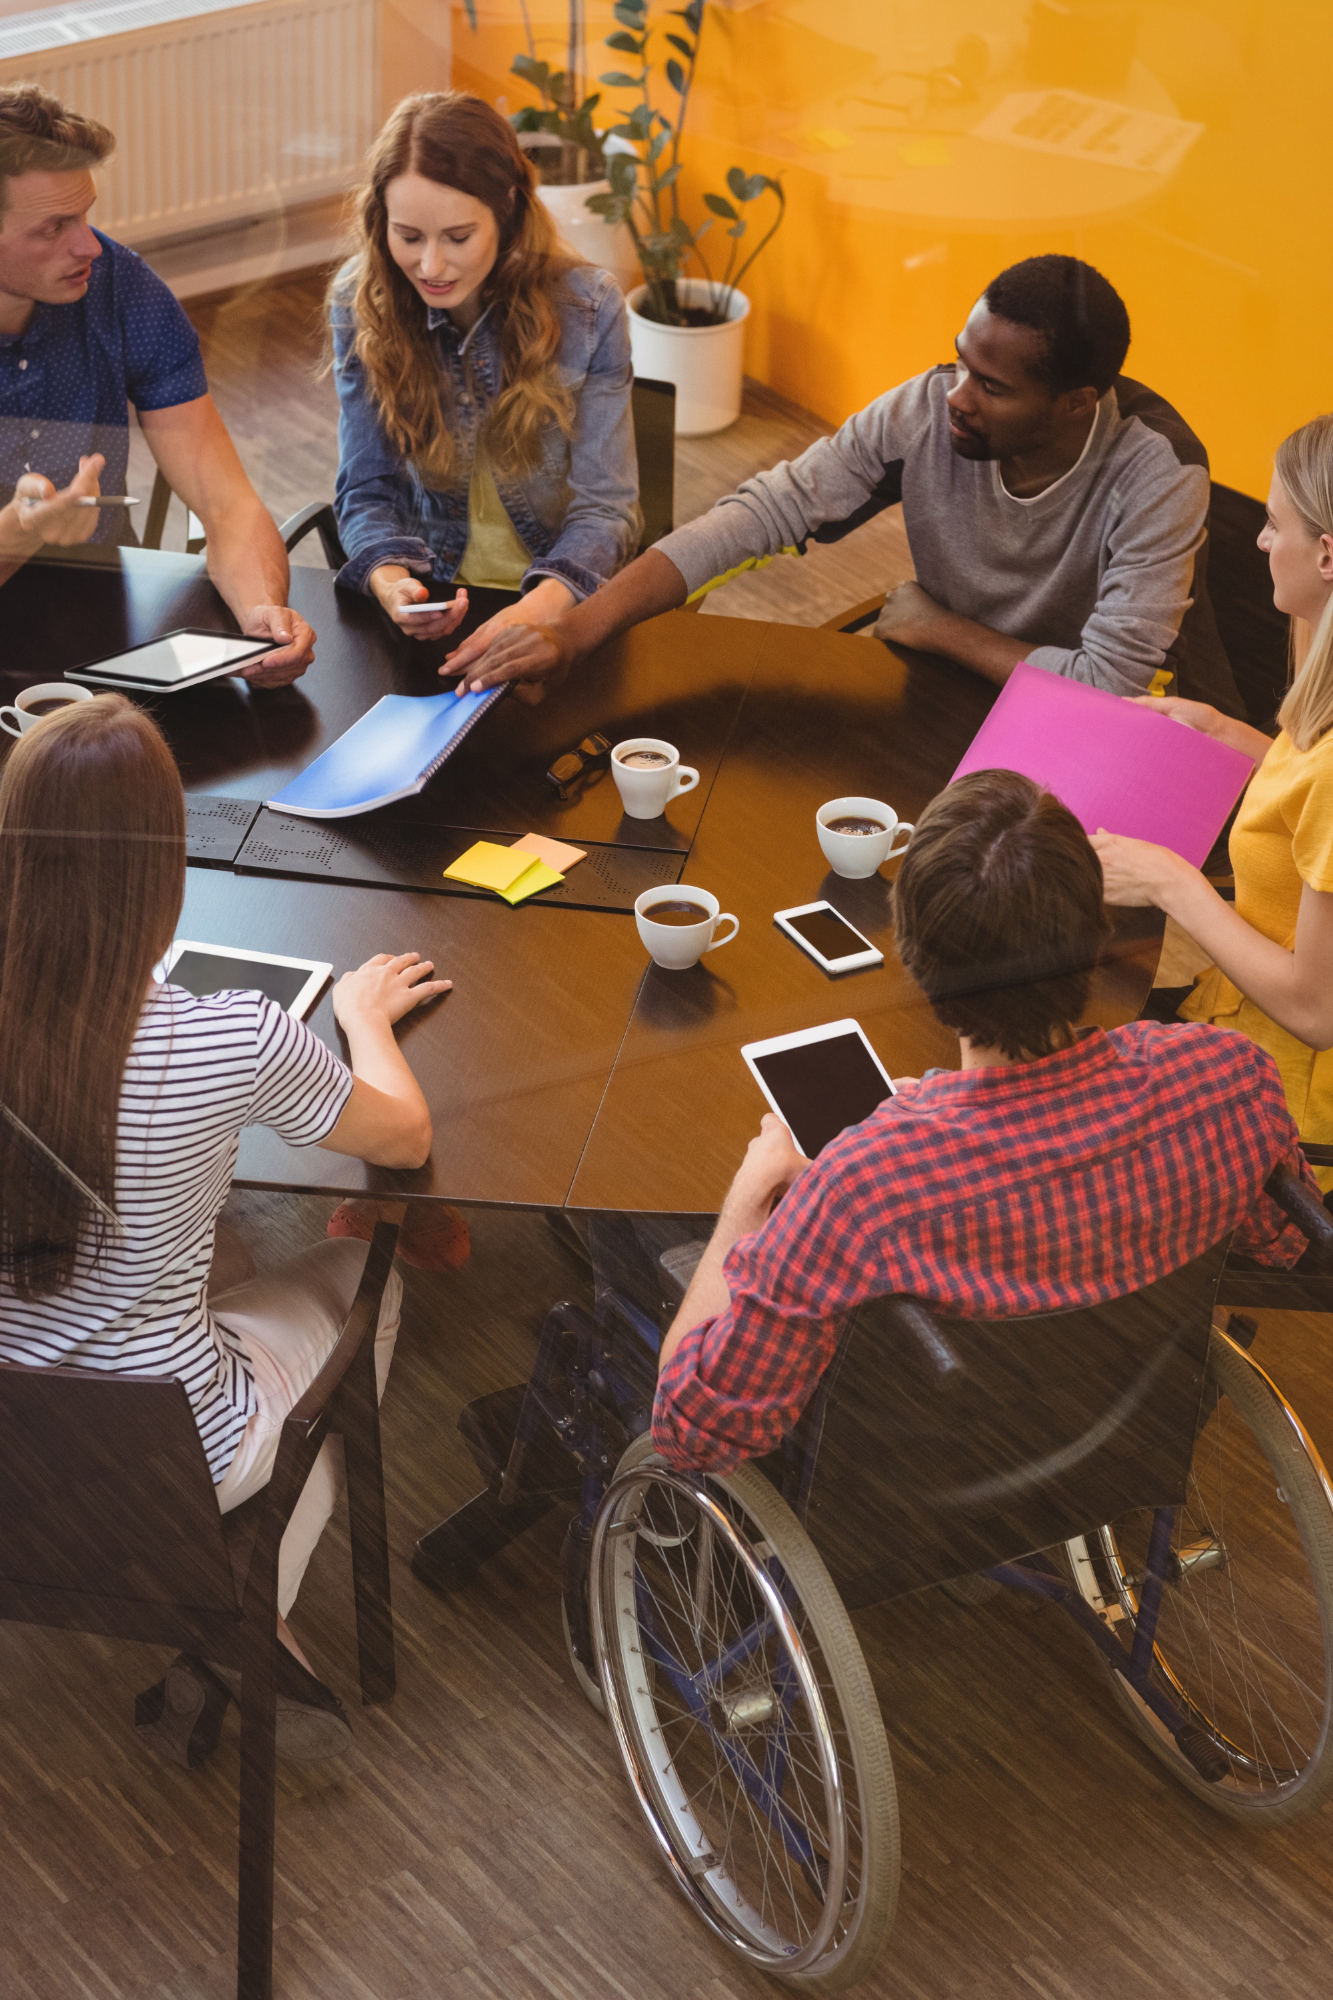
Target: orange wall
pixel 899 211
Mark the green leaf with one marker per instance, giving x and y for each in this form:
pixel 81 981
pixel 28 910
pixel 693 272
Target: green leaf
pixel 681 230
pixel 686 48
pixel 665 180
pixel 530 70
pixel 720 207
pixel 692 15
pixel 470 9
pixel 622 172
pixel 737 183
pixel 676 76
pixel 737 229
pixel 630 12
pixel 629 45
pixel 618 79
pixel 658 147
pixel 641 122
pixel 611 206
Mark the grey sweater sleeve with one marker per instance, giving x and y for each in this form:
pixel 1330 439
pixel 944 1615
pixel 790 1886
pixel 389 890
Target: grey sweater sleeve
pixel 777 509
pixel 1143 590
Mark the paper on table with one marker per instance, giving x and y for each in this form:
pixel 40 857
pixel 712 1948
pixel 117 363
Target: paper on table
pixel 1113 763
pixel 486 865
pixel 555 853
pixel 538 876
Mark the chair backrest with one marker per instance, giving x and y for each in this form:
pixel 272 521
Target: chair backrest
pixel 1045 1427
pixel 654 409
pixel 1252 629
pixel 110 1518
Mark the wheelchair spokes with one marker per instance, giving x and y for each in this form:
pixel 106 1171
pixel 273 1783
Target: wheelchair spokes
pixel 1243 1638
pixel 735 1735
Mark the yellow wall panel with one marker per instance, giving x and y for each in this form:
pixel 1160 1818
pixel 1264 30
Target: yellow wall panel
pixel 924 144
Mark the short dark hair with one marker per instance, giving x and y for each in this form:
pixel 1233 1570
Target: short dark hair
pixel 39 135
pixel 998 913
pixel 1080 317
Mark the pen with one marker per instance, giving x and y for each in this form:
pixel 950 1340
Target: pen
pixel 88 500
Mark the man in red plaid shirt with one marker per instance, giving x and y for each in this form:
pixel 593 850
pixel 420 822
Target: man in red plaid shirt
pixel 1054 1169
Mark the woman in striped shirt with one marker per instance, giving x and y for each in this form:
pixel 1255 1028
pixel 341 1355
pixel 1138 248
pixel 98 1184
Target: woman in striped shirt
pixel 123 1102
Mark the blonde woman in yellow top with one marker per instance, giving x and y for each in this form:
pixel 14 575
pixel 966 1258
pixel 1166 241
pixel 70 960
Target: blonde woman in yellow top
pixel 1272 970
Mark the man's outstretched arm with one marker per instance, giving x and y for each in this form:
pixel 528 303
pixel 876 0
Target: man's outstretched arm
pixel 536 654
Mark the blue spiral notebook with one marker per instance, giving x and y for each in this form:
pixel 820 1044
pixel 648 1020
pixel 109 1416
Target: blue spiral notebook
pixel 393 751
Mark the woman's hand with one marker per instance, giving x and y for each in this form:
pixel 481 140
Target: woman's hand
pixel 511 629
pixel 1200 715
pixel 1136 873
pixel 384 989
pixel 396 588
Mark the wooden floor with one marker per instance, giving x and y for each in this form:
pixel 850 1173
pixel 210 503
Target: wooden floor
pixel 480 1843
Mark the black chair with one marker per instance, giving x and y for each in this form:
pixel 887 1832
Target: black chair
pixel 1252 630
pixel 111 1525
pixel 654 409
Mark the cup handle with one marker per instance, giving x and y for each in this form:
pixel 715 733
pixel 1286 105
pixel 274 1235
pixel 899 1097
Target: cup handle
pixel 14 728
pixel 686 780
pixel 725 918
pixel 903 826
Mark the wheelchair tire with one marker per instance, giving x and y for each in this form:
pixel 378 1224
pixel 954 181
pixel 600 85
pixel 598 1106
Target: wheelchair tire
pixel 1244 1641
pixel 746 1718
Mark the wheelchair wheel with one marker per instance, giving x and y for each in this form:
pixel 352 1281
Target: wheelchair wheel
pixel 1244 1641
pixel 746 1719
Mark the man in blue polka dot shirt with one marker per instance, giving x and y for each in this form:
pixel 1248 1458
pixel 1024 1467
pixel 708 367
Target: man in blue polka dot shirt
pixel 86 329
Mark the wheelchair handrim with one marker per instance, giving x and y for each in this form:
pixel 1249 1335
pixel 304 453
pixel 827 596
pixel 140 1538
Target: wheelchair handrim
pixel 661 1796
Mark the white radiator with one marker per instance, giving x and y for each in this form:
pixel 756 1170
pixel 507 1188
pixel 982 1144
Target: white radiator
pixel 221 113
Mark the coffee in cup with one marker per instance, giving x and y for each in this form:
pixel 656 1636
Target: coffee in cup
pixel 649 774
pixel 679 925
pixel 35 702
pixel 859 835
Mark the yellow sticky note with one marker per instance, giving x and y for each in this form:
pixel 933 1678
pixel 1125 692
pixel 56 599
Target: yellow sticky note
pixel 488 866
pixel 536 876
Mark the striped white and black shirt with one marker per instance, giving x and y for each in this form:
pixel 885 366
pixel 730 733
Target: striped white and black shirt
pixel 198 1072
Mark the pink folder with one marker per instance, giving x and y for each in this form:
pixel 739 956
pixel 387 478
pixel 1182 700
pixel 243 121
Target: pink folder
pixel 1114 764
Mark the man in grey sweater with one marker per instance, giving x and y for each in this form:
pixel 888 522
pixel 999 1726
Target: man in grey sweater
pixel 1056 511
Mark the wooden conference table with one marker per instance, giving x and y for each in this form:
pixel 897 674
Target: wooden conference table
pixel 564 1069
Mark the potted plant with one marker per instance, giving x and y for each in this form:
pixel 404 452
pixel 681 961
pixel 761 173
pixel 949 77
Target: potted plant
pixel 558 135
pixel 686 330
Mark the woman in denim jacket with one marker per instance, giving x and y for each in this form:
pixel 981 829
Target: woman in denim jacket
pixel 485 435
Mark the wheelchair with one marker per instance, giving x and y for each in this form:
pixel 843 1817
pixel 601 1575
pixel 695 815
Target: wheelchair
pixel 1129 1463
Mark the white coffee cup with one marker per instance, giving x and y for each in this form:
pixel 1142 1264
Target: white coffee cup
pixel 859 854
pixel 20 709
pixel 645 793
pixel 678 945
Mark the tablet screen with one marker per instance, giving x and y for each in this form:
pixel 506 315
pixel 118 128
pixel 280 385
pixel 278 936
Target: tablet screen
pixel 201 973
pixel 822 1087
pixel 181 656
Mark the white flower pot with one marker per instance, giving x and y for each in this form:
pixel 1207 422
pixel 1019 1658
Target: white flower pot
pixel 704 362
pixel 609 245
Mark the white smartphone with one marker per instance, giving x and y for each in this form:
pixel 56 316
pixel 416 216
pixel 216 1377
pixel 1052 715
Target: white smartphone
pixel 413 609
pixel 293 983
pixel 819 1080
pixel 828 938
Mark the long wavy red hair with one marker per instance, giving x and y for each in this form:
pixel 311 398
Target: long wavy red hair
pixel 459 141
